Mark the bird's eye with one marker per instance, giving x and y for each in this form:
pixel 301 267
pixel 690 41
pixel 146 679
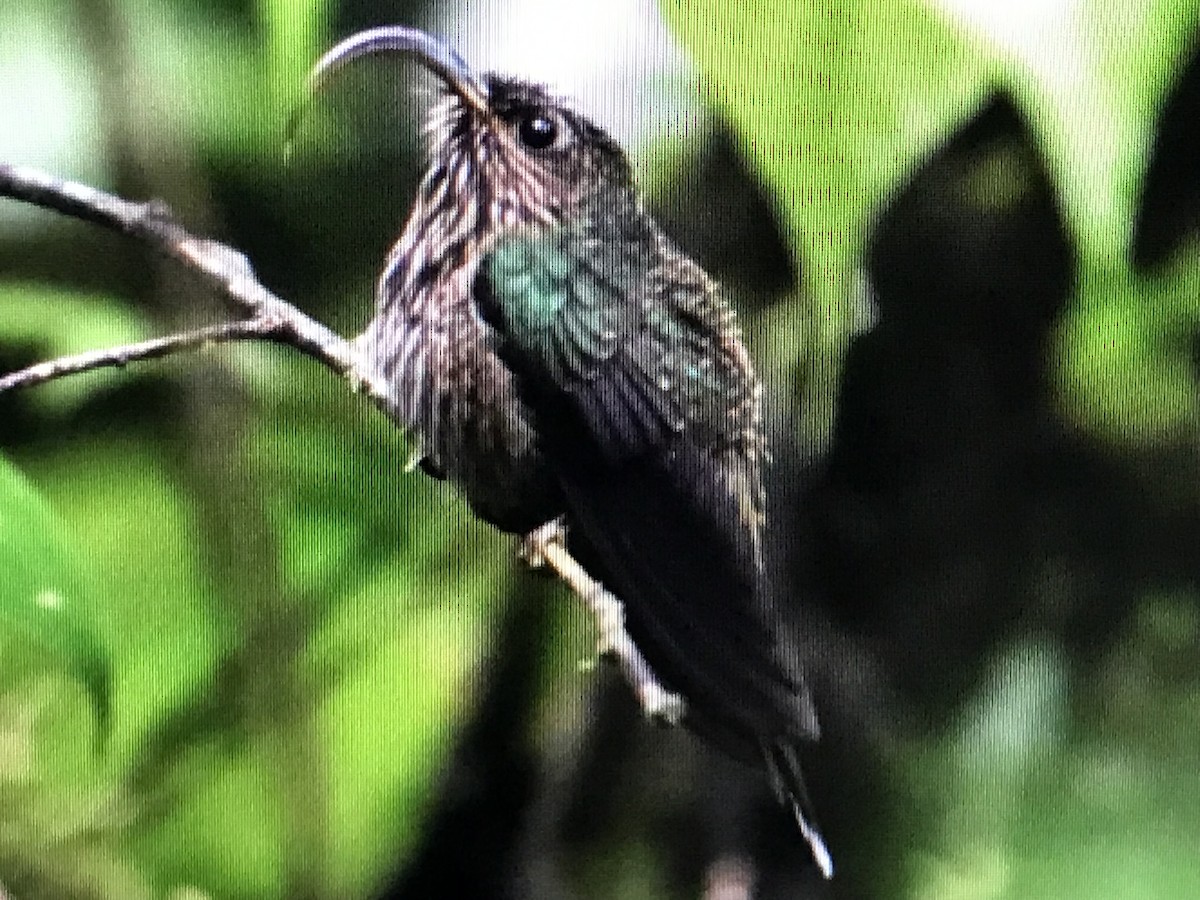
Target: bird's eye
pixel 539 130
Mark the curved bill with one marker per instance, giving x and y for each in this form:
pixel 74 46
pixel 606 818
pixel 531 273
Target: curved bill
pixel 427 50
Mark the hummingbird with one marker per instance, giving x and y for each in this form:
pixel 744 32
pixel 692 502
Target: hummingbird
pixel 560 360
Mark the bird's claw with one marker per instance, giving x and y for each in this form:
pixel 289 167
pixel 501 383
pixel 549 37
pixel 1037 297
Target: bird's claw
pixel 660 705
pixel 416 452
pixel 532 549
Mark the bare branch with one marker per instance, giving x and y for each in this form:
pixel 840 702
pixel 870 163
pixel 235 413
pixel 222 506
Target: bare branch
pixel 127 353
pixel 270 318
pixel 547 546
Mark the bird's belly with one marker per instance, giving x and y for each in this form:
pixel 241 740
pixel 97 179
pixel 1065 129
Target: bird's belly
pixel 460 402
pixel 500 473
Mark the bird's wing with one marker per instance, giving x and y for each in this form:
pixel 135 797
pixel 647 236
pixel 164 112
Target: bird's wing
pixel 646 407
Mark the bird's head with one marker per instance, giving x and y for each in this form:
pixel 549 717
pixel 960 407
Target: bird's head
pixel 507 148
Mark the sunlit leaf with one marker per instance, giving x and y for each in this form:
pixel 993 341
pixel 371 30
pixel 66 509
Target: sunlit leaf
pixel 833 102
pixel 48 105
pixel 1128 370
pixel 836 102
pixel 412 581
pixel 1091 75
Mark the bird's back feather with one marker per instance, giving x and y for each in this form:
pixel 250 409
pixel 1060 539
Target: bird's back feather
pixel 647 414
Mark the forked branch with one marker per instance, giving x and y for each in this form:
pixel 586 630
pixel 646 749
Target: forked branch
pixel 267 317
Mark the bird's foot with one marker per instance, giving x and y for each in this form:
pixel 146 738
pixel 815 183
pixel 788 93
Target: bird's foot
pixel 534 550
pixel 660 705
pixel 416 452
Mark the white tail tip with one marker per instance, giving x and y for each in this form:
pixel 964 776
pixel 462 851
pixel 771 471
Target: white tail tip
pixel 816 843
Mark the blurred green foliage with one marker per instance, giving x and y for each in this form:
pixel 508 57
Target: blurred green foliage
pixel 294 637
pixel 44 599
pixel 839 101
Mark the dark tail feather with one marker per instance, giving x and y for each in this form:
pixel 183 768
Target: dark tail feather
pixel 783 767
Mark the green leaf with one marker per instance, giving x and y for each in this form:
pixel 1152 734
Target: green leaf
pixel 294 36
pixel 43 595
pixel 395 589
pixel 1091 78
pixel 59 322
pixel 835 103
pixel 1126 368
pixel 411 582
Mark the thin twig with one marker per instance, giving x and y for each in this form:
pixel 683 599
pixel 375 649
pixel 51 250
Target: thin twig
pixel 127 353
pixel 269 318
